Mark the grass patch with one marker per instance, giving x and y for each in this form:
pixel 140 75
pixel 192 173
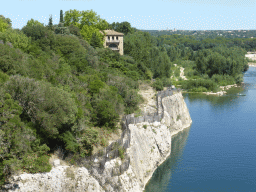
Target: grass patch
pixel 121 152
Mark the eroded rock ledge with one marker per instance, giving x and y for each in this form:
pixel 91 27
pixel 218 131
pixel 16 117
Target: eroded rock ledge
pixel 147 140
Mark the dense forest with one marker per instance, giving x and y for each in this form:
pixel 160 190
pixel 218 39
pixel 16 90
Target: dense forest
pixel 60 87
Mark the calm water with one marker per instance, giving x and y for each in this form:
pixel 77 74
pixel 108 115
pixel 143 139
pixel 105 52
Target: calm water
pixel 218 151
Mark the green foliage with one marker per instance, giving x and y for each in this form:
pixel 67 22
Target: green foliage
pixel 167 82
pixel 18 39
pixel 33 22
pixel 61 16
pixel 145 126
pixel 89 138
pixel 70 141
pixel 6 20
pixel 223 80
pixel 48 107
pixel 209 85
pixel 95 86
pixel 50 25
pixel 75 31
pixel 239 78
pixel 10 60
pixel 105 114
pixel 3 25
pixel 19 148
pixel 121 152
pixel 96 41
pixel 3 77
pixel 178 118
pixel 123 27
pixel 158 85
pixel 66 45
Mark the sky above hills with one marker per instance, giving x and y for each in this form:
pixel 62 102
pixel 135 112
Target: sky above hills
pixel 142 14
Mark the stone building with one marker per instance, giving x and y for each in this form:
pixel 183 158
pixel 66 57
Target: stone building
pixel 114 40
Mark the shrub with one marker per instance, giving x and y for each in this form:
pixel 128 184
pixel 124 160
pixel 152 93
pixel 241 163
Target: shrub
pixel 10 60
pixel 192 84
pixel 145 126
pixel 19 147
pixel 3 77
pixel 17 38
pixel 239 78
pixel 105 114
pixel 88 138
pixel 121 152
pixel 158 85
pixel 48 106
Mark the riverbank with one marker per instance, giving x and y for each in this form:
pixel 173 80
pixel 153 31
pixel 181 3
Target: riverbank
pixel 220 93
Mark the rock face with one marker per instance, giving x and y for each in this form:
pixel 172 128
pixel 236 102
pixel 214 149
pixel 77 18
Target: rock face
pixel 147 141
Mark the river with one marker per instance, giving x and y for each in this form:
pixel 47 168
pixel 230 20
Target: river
pixel 218 151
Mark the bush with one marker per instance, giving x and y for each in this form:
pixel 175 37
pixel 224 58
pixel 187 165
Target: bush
pixel 18 39
pixel 88 138
pixel 196 85
pixel 239 78
pixel 121 152
pixel 45 105
pixel 95 86
pixel 3 77
pixel 105 114
pixel 10 60
pixel 19 147
pixel 158 85
pixel 167 82
pixel 223 80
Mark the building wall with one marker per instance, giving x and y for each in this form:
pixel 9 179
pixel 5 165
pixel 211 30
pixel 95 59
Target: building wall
pixel 120 45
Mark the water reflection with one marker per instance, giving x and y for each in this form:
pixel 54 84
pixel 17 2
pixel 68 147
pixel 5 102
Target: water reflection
pixel 162 175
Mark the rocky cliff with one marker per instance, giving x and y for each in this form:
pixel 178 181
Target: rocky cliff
pixel 147 141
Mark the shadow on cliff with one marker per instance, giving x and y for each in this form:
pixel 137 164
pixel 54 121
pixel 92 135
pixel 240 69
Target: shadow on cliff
pixel 163 173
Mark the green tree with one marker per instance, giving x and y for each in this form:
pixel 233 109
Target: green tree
pixel 106 114
pixel 58 106
pixel 3 25
pixel 72 17
pixel 61 16
pixel 18 39
pixel 50 25
pixel 33 22
pixel 124 27
pixel 96 41
pixel 19 147
pixel 87 32
pixel 6 20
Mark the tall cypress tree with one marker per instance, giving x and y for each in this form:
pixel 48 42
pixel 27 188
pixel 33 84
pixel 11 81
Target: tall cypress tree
pixel 50 22
pixel 61 16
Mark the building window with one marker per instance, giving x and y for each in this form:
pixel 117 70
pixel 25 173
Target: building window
pixel 113 46
pixel 112 37
pixel 116 37
pixel 108 38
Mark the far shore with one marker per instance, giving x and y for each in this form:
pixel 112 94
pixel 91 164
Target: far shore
pixel 220 93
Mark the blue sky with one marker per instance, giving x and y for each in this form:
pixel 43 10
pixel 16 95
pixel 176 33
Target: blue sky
pixel 142 14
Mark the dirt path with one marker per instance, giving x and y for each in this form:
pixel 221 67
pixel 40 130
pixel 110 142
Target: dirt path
pixel 181 73
pixel 149 95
